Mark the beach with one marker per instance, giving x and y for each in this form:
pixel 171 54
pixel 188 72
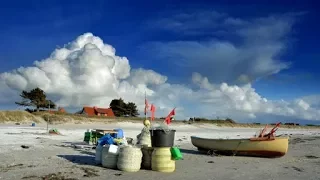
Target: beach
pixel 46 156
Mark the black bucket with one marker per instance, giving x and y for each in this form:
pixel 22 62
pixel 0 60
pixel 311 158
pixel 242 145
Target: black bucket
pixel 162 138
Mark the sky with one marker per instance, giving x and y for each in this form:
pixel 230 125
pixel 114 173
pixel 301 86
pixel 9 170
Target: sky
pixel 250 61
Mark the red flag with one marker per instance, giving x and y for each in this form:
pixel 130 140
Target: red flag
pixel 168 121
pixel 146 106
pixel 152 109
pixel 173 112
pixel 168 118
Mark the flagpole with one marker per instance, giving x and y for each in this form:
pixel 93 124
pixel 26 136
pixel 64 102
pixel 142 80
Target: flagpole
pixel 145 109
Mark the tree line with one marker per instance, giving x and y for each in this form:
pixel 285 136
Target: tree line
pixel 37 98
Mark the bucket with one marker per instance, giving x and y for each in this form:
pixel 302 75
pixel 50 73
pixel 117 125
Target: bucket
pixel 162 138
pixel 176 154
pixel 119 133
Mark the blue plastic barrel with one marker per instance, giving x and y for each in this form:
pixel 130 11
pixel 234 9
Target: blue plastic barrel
pixel 33 124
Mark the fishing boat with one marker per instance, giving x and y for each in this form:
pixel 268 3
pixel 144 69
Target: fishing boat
pixel 264 145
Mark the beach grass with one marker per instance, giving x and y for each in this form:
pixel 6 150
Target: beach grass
pixel 17 116
pixel 62 118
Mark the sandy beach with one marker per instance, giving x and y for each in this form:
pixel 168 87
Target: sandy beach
pixel 54 157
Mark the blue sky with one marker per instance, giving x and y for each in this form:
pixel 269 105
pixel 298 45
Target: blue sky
pixel 123 24
pixel 152 35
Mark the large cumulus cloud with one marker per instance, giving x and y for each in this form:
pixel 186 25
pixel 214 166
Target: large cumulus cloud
pixel 87 71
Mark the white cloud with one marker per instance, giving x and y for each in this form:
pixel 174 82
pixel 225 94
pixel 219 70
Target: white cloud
pixel 142 76
pixel 313 100
pixel 88 72
pixel 226 49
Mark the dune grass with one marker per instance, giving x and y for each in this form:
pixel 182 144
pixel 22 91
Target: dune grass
pixel 17 116
pixel 62 118
pixel 59 118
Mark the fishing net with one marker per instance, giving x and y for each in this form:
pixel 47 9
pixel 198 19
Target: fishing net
pixel 145 130
pixel 161 126
pixel 144 137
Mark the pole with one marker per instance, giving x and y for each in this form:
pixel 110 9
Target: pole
pixel 145 109
pixel 48 119
pixel 145 114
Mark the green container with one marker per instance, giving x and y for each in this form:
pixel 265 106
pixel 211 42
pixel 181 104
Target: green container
pixel 88 137
pixel 87 134
pixel 176 154
pixel 97 135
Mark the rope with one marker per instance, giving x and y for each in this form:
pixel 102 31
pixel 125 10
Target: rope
pixel 235 152
pixel 145 130
pixel 212 152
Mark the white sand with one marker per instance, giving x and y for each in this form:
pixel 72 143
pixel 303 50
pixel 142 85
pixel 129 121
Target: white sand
pixel 44 154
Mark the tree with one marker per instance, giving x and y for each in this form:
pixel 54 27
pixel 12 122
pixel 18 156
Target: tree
pixel 36 98
pixel 120 108
pixel 132 109
pixel 50 103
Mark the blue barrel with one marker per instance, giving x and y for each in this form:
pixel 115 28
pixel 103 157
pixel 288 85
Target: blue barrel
pixel 33 124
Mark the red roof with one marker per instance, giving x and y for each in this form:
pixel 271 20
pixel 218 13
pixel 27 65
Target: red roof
pixel 61 109
pixel 91 111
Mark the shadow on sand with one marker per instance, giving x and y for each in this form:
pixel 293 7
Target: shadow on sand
pixel 227 153
pixel 87 152
pixel 79 159
pixel 190 151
